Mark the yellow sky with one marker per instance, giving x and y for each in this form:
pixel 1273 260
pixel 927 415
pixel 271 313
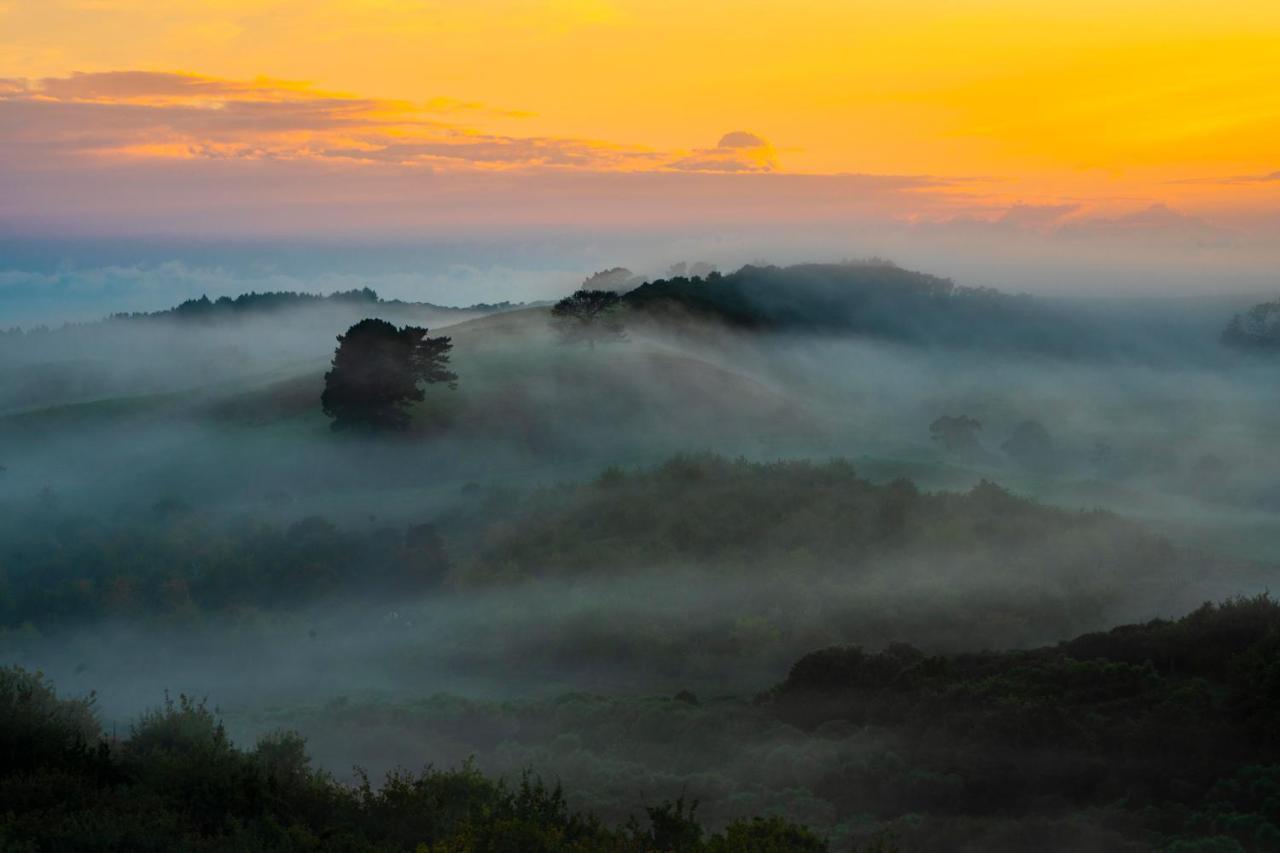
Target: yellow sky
pixel 1114 102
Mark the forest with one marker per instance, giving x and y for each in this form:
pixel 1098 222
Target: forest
pixel 827 557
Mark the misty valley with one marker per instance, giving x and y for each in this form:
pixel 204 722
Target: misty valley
pixel 820 557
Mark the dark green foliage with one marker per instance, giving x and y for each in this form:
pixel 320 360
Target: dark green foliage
pixel 205 309
pixel 876 299
pixel 179 784
pixel 39 730
pixel 765 835
pixel 720 513
pixel 672 826
pixel 1178 719
pixel 225 306
pixel 722 516
pixel 589 316
pixel 377 370
pixel 65 569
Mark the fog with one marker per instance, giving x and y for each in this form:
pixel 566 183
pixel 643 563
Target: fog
pixel 1058 251
pixel 178 516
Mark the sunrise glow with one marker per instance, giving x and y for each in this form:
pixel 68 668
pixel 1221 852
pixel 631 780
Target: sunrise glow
pixel 1087 107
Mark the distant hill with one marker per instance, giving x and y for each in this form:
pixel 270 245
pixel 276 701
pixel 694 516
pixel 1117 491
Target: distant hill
pixel 1088 725
pixel 874 298
pixel 878 299
pixel 226 307
pixel 199 343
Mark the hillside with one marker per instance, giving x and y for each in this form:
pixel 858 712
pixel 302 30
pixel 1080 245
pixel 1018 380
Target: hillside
pixel 881 301
pixel 796 553
pixel 1170 726
pixel 872 298
pixel 177 782
pixel 199 345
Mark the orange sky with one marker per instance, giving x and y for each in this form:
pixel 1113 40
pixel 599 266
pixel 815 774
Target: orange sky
pixel 1096 108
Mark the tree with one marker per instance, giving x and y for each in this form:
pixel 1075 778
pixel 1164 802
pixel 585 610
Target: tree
pixel 589 315
pixel 1256 329
pixel 376 373
pixel 956 432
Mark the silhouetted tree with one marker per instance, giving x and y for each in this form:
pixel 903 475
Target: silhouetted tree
pixel 589 315
pixel 376 373
pixel 1257 329
pixel 956 432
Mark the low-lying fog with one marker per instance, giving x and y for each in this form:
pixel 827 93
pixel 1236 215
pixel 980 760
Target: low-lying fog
pixel 121 425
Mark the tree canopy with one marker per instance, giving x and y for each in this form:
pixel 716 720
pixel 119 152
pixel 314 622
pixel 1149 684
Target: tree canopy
pixel 377 371
pixel 589 316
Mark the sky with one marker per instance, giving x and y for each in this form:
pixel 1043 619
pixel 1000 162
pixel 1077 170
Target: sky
pixel 1142 128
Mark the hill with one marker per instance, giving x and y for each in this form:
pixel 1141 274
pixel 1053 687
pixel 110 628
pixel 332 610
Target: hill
pixel 795 553
pixel 199 344
pixel 1172 723
pixel 881 301
pixel 874 298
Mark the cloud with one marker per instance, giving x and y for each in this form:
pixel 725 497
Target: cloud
pixel 149 115
pixel 168 153
pixel 737 151
pixel 162 115
pixel 1037 216
pixel 1266 178
pixel 1155 224
pixel 741 139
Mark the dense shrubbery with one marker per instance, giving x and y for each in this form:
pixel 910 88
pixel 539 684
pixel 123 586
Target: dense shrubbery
pixel 179 783
pixel 788 517
pixel 61 569
pixel 1147 737
pixel 704 513
pixel 1178 721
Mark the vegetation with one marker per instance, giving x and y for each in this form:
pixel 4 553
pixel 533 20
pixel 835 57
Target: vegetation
pixel 876 299
pixel 205 309
pixel 1153 736
pixel 377 369
pixel 178 564
pixel 179 783
pixel 1177 722
pixel 614 632
pixel 589 316
pixel 735 514
pixel 1158 736
pixel 1257 329
pixel 724 517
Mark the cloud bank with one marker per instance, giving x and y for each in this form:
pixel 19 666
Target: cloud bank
pixel 144 115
